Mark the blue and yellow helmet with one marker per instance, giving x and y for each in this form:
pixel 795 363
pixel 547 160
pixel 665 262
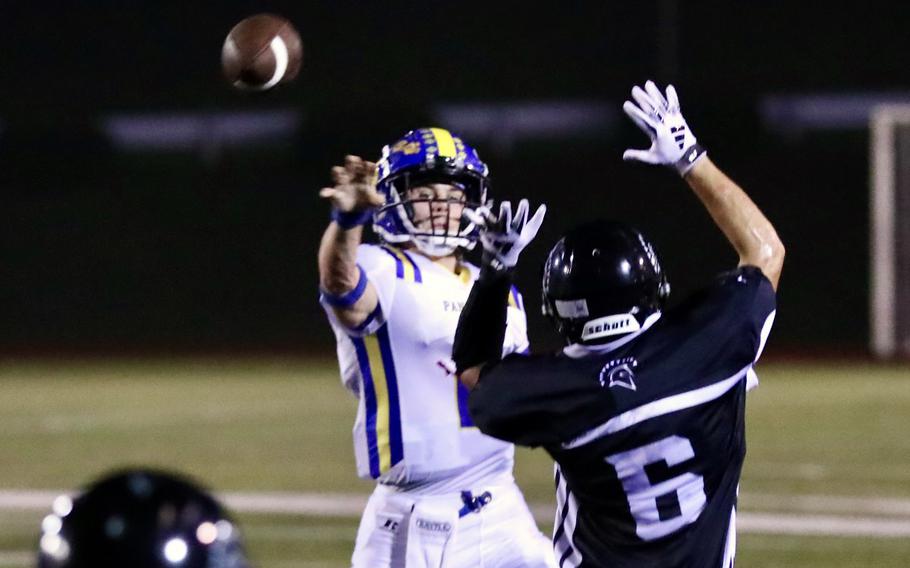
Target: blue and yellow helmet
pixel 421 157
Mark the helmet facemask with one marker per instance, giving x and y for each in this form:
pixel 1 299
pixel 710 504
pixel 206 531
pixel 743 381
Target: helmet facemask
pixel 424 157
pixel 419 211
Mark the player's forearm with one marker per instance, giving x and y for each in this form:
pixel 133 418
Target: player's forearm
pixel 742 222
pixel 338 259
pixel 352 297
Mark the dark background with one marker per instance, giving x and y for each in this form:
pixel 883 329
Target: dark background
pixel 215 249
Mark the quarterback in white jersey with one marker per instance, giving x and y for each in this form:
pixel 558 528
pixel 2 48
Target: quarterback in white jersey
pixel 445 494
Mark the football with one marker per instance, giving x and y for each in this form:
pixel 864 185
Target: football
pixel 260 52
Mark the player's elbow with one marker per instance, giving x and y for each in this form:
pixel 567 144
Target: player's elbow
pixel 775 254
pixel 470 376
pixel 767 254
pixel 771 259
pixel 337 283
pixel 780 252
pixel 337 277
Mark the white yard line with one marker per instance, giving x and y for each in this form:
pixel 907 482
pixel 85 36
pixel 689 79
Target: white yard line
pixel 822 525
pixel 857 519
pixel 826 504
pixel 816 471
pixel 27 500
pixel 284 533
pixel 316 504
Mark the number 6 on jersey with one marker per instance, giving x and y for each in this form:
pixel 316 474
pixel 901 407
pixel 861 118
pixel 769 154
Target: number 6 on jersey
pixel 660 506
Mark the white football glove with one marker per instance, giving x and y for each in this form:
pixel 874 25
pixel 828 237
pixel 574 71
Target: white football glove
pixel 503 237
pixel 672 142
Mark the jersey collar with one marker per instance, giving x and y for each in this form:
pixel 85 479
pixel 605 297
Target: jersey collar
pixel 465 271
pixel 577 350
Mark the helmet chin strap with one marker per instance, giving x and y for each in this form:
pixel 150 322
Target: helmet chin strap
pixel 437 245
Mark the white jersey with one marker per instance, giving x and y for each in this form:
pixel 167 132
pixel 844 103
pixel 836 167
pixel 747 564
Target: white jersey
pixel 413 429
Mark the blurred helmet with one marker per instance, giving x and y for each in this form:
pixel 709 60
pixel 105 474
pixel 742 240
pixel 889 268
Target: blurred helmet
pixel 140 519
pixel 602 280
pixel 422 157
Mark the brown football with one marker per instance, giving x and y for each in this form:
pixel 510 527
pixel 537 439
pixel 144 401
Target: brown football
pixel 261 52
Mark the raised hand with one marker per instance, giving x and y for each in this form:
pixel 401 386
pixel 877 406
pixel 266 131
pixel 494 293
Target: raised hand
pixel 505 235
pixel 659 116
pixel 355 186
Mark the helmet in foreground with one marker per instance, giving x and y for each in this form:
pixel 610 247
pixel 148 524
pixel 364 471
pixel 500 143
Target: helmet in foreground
pixel 423 157
pixel 602 280
pixel 140 519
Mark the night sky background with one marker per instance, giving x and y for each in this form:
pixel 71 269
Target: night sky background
pixel 212 246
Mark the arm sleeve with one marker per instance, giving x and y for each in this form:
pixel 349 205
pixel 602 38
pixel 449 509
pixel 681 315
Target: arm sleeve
pixel 482 323
pixel 379 267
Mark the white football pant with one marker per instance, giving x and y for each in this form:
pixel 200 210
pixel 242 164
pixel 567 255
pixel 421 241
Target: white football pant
pixel 403 530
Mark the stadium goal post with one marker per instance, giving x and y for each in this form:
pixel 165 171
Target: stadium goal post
pixel 889 210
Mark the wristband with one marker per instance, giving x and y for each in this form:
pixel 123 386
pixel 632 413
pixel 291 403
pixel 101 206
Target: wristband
pixel 690 157
pixel 347 299
pixel 351 219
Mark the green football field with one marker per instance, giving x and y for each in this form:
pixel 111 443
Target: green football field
pixel 826 483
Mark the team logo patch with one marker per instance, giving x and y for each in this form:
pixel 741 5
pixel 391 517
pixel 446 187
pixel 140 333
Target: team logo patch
pixel 619 373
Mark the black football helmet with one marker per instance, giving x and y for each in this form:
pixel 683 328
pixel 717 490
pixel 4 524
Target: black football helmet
pixel 140 519
pixel 602 280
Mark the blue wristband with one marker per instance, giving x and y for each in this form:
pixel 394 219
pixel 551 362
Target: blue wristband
pixel 351 219
pixel 347 299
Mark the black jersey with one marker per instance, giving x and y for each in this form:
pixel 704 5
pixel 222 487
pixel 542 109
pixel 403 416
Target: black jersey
pixel 647 432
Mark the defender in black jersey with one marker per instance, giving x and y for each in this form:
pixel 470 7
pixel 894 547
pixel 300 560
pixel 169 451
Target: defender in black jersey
pixel 644 410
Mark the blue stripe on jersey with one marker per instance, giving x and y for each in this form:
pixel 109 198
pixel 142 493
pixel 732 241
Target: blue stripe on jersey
pixel 399 266
pixel 463 413
pixel 395 439
pixel 417 276
pixel 405 267
pixel 516 297
pixel 369 399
